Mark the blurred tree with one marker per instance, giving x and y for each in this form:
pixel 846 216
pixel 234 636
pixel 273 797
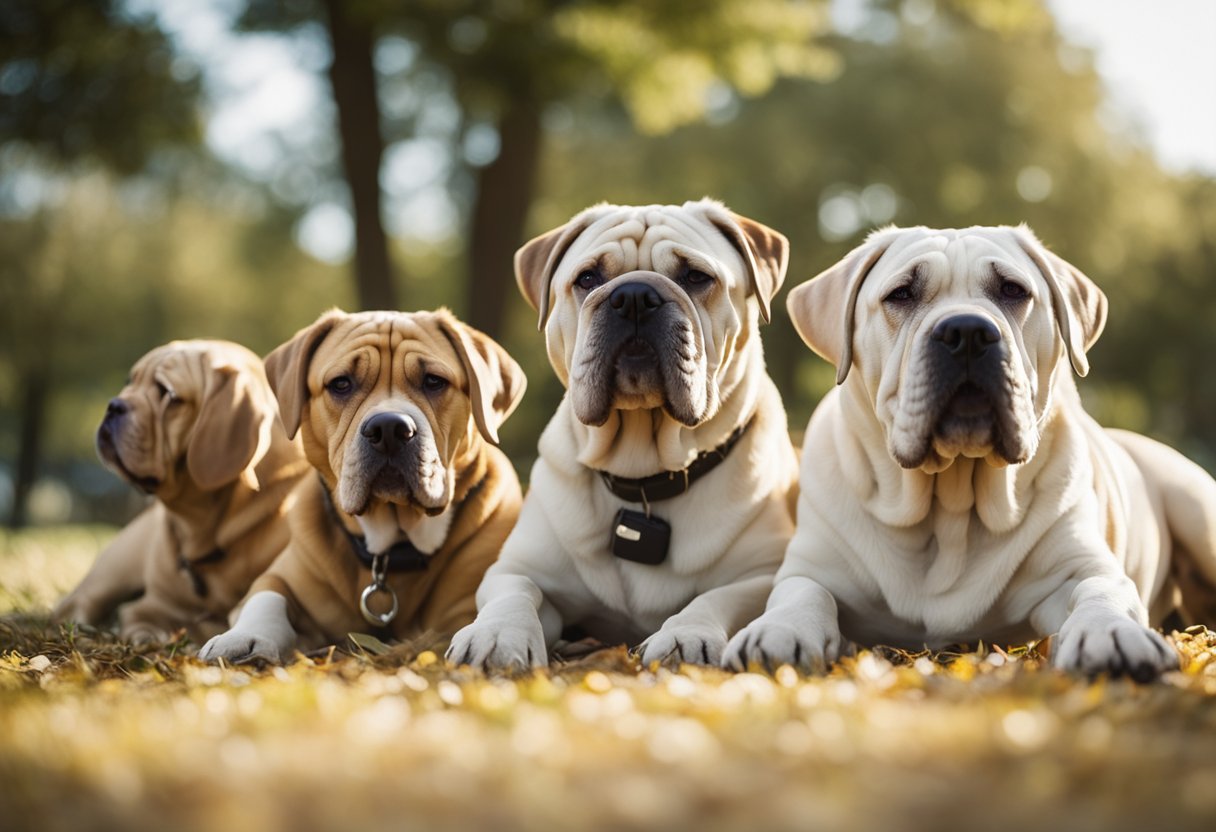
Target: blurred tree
pixel 83 80
pixel 507 62
pixel 352 76
pixel 80 82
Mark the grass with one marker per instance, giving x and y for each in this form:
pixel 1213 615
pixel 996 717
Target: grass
pixel 98 734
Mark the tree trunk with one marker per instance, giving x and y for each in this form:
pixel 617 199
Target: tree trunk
pixel 353 77
pixel 504 192
pixel 36 388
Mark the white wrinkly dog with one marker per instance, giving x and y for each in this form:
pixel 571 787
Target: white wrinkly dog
pixel 953 489
pixel 651 319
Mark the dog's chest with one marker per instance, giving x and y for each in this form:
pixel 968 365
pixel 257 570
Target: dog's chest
pixel 943 580
pixel 639 595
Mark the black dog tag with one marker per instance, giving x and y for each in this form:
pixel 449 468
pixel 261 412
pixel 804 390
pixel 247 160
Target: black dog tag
pixel 639 538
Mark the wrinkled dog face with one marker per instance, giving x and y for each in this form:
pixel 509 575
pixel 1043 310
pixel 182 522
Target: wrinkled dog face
pixel 956 336
pixel 643 307
pixel 390 403
pixel 191 411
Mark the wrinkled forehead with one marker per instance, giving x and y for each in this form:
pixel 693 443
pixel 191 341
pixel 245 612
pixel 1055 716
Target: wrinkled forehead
pixel 395 336
pixel 950 255
pixel 660 238
pixel 175 359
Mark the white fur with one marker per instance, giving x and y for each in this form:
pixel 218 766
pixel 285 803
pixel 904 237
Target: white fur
pixel 728 531
pixel 966 549
pixel 261 631
pixel 382 528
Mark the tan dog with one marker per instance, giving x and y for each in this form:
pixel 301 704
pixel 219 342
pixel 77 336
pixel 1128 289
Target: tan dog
pixel 410 503
pixel 660 505
pixel 953 488
pixel 197 427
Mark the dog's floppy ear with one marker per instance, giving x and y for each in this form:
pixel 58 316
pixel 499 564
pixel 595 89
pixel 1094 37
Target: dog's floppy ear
pixel 1078 303
pixel 824 308
pixel 765 252
pixel 496 382
pixel 538 259
pixel 287 368
pixel 231 433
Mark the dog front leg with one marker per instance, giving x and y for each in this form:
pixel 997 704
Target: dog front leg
pixel 514 627
pixel 119 574
pixel 698 634
pixel 799 627
pixel 262 631
pixel 1101 626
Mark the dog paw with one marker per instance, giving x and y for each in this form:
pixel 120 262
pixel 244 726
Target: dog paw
pixel 237 647
pixel 144 634
pixel 685 644
pixel 77 609
pixel 1094 644
pixel 512 647
pixel 769 643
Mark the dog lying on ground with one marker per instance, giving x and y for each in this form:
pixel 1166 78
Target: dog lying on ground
pixel 660 505
pixel 953 488
pixel 409 503
pixel 197 427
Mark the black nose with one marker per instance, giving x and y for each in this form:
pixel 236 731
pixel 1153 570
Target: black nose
pixel 634 301
pixel 966 336
pixel 387 432
pixel 116 408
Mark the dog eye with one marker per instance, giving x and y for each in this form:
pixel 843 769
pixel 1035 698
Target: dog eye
pixel 1011 290
pixel 588 280
pixel 165 393
pixel 902 294
pixel 340 385
pixel 696 278
pixel 432 383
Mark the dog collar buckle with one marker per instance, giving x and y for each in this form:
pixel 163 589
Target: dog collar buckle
pixel 378 586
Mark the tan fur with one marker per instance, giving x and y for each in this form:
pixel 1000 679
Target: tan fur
pixel 223 467
pixel 465 509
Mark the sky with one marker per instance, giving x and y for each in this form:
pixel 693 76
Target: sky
pixel 1157 59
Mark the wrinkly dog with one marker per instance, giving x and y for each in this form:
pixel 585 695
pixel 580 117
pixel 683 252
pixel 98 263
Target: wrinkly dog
pixel 660 505
pixel 954 490
pixel 409 503
pixel 197 427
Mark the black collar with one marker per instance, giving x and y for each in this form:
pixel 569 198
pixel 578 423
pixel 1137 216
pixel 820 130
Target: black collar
pixel 190 567
pixel 668 484
pixel 402 556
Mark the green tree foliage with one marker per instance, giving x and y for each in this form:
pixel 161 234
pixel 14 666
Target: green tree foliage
pixel 82 80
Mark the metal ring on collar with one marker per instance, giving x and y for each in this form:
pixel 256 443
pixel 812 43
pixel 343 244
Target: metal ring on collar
pixel 373 618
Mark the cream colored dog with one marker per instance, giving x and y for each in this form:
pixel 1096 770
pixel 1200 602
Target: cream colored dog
pixel 651 319
pixel 197 427
pixel 410 501
pixel 954 490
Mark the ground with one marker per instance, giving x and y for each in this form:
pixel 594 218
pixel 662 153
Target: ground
pixel 101 735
